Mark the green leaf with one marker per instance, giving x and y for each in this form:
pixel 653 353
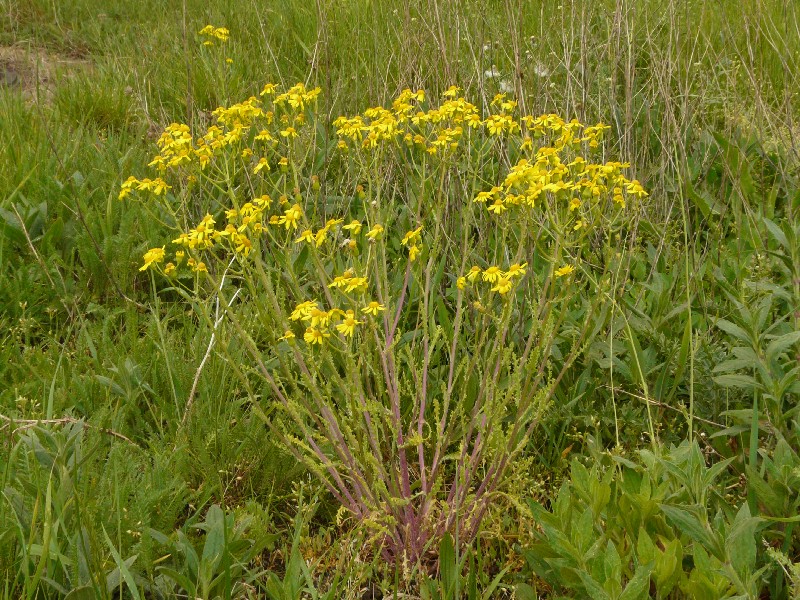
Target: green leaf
pixel 692 526
pixel 734 330
pixel 182 580
pixel 639 585
pixel 84 592
pixel 735 380
pixel 123 568
pixel 215 536
pixel 448 566
pixel 523 591
pixel 741 542
pixel 594 589
pixel 781 344
pixel 777 233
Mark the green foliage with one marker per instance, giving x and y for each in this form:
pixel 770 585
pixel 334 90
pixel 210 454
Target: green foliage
pixel 652 526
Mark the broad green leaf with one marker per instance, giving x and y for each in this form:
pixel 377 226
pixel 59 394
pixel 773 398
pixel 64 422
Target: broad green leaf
pixel 639 584
pixel 691 525
pixel 734 330
pixel 735 380
pixel 776 232
pixel 740 544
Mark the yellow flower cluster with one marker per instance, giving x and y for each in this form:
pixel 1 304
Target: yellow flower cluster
pixel 319 321
pixel 214 34
pixel 434 130
pixel 501 281
pixel 411 241
pixel 155 186
pixel 244 122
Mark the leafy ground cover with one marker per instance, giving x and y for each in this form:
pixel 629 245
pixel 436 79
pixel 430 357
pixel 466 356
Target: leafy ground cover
pixel 361 300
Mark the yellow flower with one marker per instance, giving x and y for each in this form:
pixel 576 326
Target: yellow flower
pixel 348 325
pixel 354 227
pixel 452 92
pixel 517 270
pixel 492 274
pixel 413 252
pixel 289 132
pixel 373 308
pixel 320 317
pixel 473 273
pixel 302 312
pixel 268 89
pixel 262 164
pixel 169 269
pixel 375 231
pixel 152 256
pixel 288 335
pixel 358 284
pixel 574 204
pixel 315 336
pixel 411 236
pixel 461 283
pixel 503 285
pixel 291 217
pixel 200 268
pixel 498 207
pixel 127 187
pixel 565 270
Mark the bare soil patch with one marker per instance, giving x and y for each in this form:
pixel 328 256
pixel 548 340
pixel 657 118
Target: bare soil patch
pixel 34 72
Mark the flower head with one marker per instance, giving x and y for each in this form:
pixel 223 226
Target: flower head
pixel 314 335
pixel 151 257
pixel 348 324
pixel 565 270
pixel 373 308
pixel 503 285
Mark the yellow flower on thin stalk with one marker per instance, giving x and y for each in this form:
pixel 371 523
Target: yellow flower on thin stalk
pixel 291 217
pixel 151 257
pixel 315 336
pixel 348 325
pixel 262 164
pixel 302 312
pixel 410 237
pixel 517 270
pixel 565 270
pixel 373 308
pixel 503 285
pixel 473 273
pixel 354 227
pixel 375 232
pixel 492 274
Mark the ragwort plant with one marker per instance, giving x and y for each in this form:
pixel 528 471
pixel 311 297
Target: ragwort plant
pixel 398 281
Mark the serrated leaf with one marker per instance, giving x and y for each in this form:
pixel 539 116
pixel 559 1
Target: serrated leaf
pixel 781 344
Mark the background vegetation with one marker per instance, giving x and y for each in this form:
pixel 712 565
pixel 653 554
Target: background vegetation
pixel 109 492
